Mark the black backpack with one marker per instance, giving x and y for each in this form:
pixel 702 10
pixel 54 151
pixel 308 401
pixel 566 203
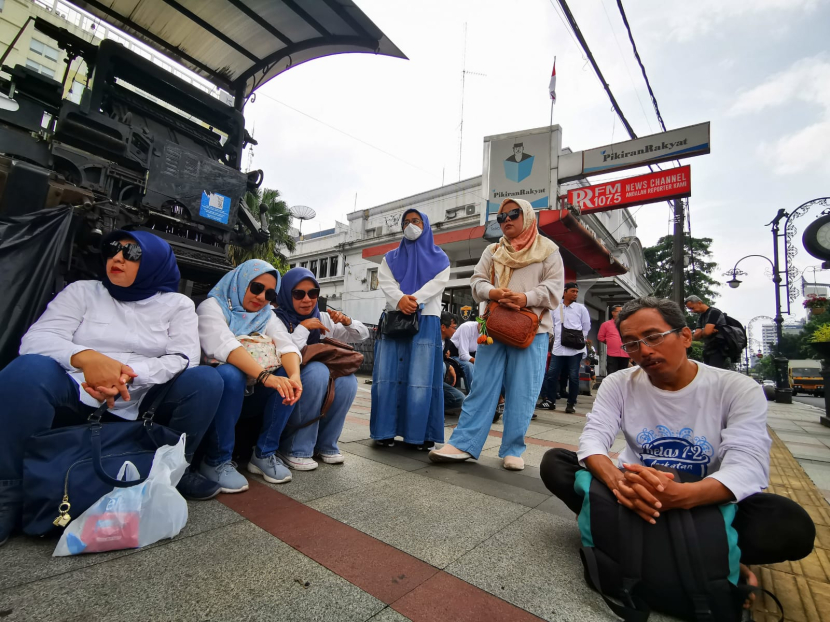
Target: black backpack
pixel 733 335
pixel 686 565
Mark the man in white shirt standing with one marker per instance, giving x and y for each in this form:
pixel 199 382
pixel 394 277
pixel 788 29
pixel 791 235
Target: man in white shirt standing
pixel 572 316
pixel 695 419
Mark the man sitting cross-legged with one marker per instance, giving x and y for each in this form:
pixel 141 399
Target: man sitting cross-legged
pixel 690 417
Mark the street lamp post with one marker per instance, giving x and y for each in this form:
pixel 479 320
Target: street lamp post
pixel 783 391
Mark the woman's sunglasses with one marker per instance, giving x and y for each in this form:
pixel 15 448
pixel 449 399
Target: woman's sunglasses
pixel 132 252
pixel 257 288
pixel 299 294
pixel 512 215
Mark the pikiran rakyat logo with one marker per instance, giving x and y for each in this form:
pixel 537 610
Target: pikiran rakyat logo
pixel 518 166
pixel 681 450
pixel 466 313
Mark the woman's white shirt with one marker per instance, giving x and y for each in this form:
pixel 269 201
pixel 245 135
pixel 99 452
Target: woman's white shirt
pixel 354 333
pixel 148 335
pixel 218 341
pixel 429 295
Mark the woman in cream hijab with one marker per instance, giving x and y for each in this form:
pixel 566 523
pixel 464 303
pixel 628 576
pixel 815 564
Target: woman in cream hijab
pixel 528 273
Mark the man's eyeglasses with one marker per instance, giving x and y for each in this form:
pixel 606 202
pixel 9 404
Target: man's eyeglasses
pixel 650 340
pixel 258 288
pixel 132 252
pixel 299 294
pixel 412 221
pixel 512 215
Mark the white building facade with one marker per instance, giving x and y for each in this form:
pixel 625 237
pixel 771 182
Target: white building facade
pixel 600 251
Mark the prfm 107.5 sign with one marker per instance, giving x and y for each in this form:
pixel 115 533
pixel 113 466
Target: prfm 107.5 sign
pixel 663 185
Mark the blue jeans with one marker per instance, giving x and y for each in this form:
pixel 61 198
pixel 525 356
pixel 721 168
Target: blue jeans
pixel 521 373
pixel 36 392
pixel 220 438
pixel 321 436
pixel 557 365
pixel 469 371
pixel 453 398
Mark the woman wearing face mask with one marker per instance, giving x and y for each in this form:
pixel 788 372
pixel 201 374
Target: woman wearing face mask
pixel 118 340
pixel 239 305
pixel 528 273
pixel 302 322
pixel 408 375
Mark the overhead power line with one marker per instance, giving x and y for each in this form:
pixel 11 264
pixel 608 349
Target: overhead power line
pixel 575 27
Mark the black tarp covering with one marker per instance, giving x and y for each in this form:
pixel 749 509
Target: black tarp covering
pixel 30 246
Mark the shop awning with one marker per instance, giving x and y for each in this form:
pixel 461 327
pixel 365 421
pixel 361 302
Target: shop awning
pixel 582 253
pixel 239 45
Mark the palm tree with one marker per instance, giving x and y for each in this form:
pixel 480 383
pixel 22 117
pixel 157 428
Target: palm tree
pixel 279 225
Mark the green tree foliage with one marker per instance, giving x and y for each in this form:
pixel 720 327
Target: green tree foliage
pixel 765 368
pixel 279 224
pixel 698 274
pixel 696 351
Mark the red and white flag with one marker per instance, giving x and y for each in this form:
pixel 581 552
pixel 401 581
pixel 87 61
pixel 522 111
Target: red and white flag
pixel 552 87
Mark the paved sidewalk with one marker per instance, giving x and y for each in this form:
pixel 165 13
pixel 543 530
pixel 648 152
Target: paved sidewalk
pixel 386 537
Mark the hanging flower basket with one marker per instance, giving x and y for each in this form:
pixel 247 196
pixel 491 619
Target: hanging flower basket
pixel 816 304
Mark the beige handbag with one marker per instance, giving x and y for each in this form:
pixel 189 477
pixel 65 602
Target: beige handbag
pixel 261 348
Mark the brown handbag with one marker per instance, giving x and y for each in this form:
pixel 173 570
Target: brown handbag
pixel 508 326
pixel 341 359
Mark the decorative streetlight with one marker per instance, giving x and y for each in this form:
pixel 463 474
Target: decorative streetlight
pixel 783 392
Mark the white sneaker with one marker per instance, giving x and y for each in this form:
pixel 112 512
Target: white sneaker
pixel 299 464
pixel 331 458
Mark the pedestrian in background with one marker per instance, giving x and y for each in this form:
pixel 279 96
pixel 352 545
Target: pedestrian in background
pixel 615 357
pixel 408 376
pixel 570 320
pixel 714 347
pixel 523 270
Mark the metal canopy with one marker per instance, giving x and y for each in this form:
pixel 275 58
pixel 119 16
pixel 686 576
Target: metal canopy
pixel 239 45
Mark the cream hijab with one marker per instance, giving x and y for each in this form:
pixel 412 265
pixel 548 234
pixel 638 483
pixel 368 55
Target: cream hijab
pixel 526 248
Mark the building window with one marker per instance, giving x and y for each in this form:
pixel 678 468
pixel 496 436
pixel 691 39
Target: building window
pixel 333 266
pixel 373 279
pixel 313 267
pixel 370 233
pixel 292 266
pixel 324 268
pixel 2 5
pixel 40 68
pixel 44 50
pixel 304 264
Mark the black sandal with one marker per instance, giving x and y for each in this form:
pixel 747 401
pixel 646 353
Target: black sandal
pixel 385 442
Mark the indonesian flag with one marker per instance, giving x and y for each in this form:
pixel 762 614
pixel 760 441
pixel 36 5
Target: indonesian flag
pixel 552 87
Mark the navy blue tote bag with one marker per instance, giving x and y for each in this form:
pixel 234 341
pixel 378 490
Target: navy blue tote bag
pixel 66 470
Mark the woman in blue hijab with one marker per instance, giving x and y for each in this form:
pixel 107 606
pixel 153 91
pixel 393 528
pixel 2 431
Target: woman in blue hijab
pixel 238 306
pixel 408 376
pixel 308 436
pixel 119 340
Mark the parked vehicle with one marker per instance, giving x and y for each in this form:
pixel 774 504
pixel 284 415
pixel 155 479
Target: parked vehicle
pixel 805 377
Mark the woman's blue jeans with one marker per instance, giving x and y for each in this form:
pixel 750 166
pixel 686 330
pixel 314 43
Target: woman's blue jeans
pixel 220 438
pixel 37 394
pixel 321 436
pixel 521 372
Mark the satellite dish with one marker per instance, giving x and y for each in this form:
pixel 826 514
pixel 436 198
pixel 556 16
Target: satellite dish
pixel 7 103
pixel 301 213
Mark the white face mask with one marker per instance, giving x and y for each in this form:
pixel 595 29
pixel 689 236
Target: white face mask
pixel 412 232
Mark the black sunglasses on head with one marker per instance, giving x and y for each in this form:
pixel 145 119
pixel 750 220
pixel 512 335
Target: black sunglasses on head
pixel 258 288
pixel 299 294
pixel 132 252
pixel 512 215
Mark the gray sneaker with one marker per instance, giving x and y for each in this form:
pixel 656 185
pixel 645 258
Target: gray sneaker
pixel 271 468
pixel 225 475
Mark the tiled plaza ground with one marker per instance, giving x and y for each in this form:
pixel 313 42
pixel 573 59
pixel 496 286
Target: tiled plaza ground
pixel 390 537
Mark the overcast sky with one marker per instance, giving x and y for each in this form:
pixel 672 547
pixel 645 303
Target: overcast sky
pixel 758 70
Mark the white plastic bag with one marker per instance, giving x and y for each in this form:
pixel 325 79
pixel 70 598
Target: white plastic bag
pixel 128 518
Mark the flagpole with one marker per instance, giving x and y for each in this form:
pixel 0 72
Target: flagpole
pixel 552 202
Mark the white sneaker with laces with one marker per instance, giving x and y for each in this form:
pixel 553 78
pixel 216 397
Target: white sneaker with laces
pixel 299 464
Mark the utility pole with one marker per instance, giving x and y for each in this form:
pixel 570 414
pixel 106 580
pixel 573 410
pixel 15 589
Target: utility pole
pixel 678 249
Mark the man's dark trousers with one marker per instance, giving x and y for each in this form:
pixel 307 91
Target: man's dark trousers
pixel 771 528
pixel 557 363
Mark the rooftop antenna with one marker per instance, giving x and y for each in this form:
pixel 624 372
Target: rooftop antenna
pixel 464 73
pixel 301 213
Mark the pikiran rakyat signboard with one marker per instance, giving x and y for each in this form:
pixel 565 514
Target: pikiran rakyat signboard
pixel 672 145
pixel 673 183
pixel 519 167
